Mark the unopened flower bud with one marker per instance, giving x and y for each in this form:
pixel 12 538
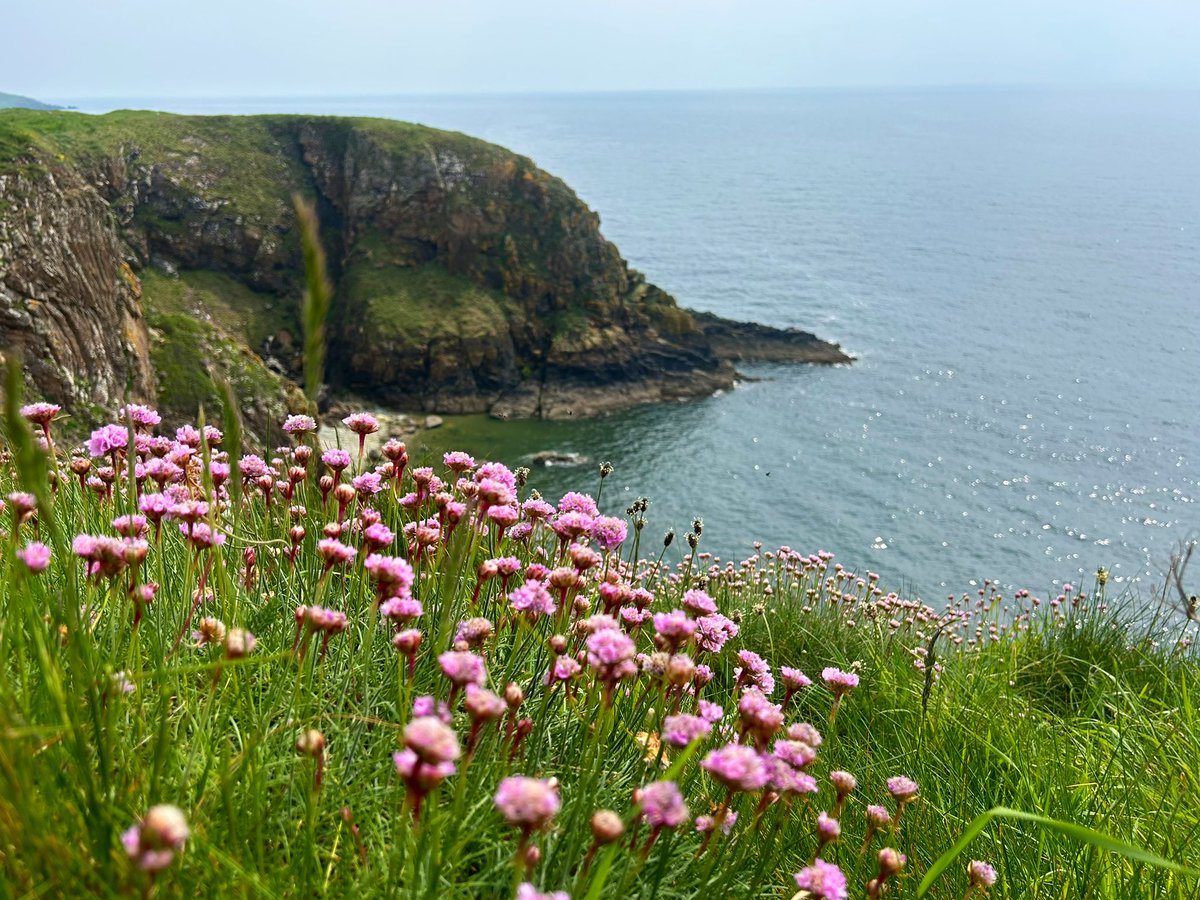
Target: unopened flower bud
pixel 607 826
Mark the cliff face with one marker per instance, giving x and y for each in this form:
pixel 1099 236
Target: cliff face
pixel 68 305
pixel 466 278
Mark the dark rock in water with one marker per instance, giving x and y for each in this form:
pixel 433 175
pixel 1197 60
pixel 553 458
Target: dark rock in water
pixel 558 458
pixel 161 251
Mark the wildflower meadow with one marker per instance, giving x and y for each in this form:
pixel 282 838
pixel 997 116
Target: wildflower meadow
pixel 311 672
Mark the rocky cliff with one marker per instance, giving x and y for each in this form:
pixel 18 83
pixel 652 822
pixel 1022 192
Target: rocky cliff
pixel 155 253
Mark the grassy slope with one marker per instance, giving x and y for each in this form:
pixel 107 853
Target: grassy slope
pixel 1075 720
pixel 194 317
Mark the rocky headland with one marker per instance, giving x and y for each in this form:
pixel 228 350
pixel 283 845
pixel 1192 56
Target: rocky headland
pixel 150 254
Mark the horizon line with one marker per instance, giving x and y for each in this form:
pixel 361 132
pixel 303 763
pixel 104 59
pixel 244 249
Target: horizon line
pixel 848 88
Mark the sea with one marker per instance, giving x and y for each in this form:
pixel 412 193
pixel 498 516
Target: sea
pixel 1016 271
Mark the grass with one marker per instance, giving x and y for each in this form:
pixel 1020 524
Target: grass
pixel 1066 710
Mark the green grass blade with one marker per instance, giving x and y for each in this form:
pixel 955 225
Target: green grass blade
pixel 1079 832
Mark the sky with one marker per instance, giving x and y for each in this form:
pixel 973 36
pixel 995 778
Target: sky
pixel 59 49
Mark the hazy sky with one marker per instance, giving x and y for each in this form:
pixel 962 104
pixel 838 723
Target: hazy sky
pixel 95 48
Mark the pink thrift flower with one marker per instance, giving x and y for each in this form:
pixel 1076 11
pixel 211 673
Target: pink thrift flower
pixel 828 828
pixel 462 667
pixel 106 439
pixel 40 413
pixel 793 679
pixel 823 880
pixel 737 767
pixel 754 671
pixel 334 552
pixel 153 842
pixel 299 424
pixel 368 483
pixel 336 459
pixel 527 891
pixel 662 805
pixel 432 740
pixel 681 730
pixel 578 503
pixel 533 600
pixel 674 628
pixel 361 423
pixel 698 603
pixel 902 789
pixel 36 556
pixel 529 803
pixel 980 874
pixel 713 631
pixel 838 681
pixel 609 532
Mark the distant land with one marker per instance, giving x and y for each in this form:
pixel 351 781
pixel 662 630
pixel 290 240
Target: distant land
pixel 16 101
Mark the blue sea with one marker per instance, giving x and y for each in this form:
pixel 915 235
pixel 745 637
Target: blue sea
pixel 1017 271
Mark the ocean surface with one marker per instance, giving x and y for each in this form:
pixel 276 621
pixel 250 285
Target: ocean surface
pixel 1018 273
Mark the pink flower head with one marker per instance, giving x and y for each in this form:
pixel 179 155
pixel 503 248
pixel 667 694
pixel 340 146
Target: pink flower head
pixel 378 536
pixel 153 842
pixel 393 575
pixel 681 730
pixel 823 880
pixel 754 671
pixel 662 805
pixel 336 459
pixel 698 603
pixel 795 753
pixel 529 803
pixel 843 782
pixel 710 712
pixel 40 413
pixel 527 891
pixel 878 816
pixel 482 705
pixel 361 423
pixel 793 679
pixel 533 600
pixel 106 439
pixel 432 740
pixel 838 681
pixel 903 790
pixel 457 461
pixel 367 483
pixel 759 715
pixel 737 767
pixel 578 503
pixel 611 653
pixel 496 472
pixel 401 609
pixel 299 424
pixel 140 415
pixel 828 828
pixel 705 824
pixel 36 556
pixel 980 874
pixel 462 667
pixel 420 776
pixel 674 628
pixel 609 532
pixel 713 631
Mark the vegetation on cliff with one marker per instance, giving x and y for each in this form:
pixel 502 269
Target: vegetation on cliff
pixel 318 676
pixel 466 279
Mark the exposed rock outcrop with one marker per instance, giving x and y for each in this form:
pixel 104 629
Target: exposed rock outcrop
pixel 466 278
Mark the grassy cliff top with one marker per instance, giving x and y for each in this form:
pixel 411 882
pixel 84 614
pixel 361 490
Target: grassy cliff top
pixel 252 163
